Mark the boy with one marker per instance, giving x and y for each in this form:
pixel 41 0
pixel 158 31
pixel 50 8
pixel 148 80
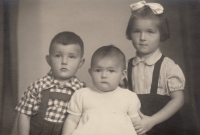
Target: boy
pixel 43 106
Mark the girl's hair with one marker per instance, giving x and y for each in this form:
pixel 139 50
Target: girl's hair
pixel 147 13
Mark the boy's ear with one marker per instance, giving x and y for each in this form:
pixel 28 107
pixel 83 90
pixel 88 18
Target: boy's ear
pixel 81 63
pixel 48 60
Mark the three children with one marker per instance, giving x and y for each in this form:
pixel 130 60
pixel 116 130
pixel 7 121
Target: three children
pixel 43 106
pixel 105 108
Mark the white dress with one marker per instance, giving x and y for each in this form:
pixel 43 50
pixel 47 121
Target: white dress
pixel 104 113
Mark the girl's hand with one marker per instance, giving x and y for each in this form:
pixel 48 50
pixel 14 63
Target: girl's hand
pixel 146 124
pixel 138 128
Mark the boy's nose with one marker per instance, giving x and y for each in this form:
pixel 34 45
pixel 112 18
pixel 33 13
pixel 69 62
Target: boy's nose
pixel 64 61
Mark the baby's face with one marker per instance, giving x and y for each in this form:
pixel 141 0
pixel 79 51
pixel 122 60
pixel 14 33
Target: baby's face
pixel 65 60
pixel 106 73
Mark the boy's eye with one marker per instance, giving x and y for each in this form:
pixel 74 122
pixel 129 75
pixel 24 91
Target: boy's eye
pixel 72 56
pixel 57 55
pixel 98 70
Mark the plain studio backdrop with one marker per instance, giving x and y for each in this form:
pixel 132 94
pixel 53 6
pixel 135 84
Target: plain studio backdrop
pixel 28 27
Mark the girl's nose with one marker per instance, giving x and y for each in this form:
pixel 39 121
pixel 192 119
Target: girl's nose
pixel 143 37
pixel 64 60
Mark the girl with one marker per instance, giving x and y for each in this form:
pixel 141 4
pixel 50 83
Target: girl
pixel 102 109
pixel 157 80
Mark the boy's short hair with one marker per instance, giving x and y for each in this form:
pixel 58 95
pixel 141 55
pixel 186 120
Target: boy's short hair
pixel 109 51
pixel 146 12
pixel 66 38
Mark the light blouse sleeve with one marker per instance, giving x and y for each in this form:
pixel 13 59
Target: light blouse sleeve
pixel 134 105
pixel 175 78
pixel 75 103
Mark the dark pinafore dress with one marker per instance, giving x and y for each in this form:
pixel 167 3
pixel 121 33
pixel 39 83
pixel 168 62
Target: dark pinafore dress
pixel 38 125
pixel 152 103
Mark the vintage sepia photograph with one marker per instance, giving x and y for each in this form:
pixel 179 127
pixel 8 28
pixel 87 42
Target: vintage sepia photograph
pixel 99 67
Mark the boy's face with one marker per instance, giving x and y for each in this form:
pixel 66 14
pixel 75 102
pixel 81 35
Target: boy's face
pixel 65 60
pixel 106 73
pixel 145 36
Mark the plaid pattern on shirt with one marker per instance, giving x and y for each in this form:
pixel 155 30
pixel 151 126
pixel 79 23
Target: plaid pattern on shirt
pixel 31 99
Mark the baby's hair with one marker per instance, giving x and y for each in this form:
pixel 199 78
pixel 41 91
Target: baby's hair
pixel 109 51
pixel 146 13
pixel 66 38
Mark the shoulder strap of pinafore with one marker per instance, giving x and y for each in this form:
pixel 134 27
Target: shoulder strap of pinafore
pixel 155 77
pixel 156 74
pixel 129 74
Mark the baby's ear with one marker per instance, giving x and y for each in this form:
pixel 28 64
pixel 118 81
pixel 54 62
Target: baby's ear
pixel 89 71
pixel 48 60
pixel 124 74
pixel 81 62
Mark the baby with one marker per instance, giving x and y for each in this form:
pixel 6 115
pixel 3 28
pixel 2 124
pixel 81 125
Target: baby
pixel 104 108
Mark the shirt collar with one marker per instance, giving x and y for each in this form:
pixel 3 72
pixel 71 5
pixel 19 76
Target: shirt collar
pixel 49 82
pixel 149 61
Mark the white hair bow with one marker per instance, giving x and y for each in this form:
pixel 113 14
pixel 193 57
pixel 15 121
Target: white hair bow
pixel 155 7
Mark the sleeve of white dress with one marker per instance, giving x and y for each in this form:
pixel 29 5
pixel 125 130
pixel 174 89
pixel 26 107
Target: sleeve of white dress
pixel 134 105
pixel 75 103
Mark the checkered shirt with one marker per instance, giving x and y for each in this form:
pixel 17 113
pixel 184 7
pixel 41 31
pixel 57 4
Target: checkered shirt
pixel 31 99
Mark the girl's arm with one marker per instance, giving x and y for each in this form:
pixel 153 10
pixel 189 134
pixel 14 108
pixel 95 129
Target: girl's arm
pixel 176 102
pixel 70 124
pixel 23 124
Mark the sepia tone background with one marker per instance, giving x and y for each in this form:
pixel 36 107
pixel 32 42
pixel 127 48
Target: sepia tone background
pixel 27 27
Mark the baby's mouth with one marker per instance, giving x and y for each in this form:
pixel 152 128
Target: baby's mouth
pixel 104 82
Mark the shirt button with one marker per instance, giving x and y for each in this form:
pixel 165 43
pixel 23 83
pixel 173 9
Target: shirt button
pixel 142 77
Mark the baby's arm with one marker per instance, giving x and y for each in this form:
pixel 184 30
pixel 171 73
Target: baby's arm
pixel 70 124
pixel 176 102
pixel 23 124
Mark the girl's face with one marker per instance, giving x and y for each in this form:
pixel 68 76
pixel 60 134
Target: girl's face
pixel 145 36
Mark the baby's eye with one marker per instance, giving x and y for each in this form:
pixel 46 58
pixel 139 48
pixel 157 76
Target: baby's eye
pixel 111 71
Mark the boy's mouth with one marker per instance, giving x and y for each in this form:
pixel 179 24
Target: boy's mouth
pixel 64 69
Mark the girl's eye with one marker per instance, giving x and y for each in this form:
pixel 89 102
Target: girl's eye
pixel 150 32
pixel 135 31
